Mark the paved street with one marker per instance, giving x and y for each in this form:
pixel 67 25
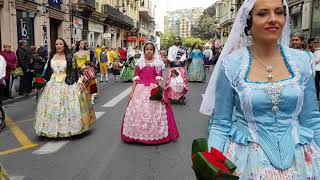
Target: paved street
pixel 100 154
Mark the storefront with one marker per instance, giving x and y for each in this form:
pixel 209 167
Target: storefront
pixel 54 31
pixel 25 26
pixel 1 4
pixel 95 34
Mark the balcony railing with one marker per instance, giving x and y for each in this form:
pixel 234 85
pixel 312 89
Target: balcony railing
pixel 223 19
pixel 88 3
pixel 116 15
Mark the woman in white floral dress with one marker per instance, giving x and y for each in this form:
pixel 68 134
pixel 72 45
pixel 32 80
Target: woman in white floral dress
pixel 63 108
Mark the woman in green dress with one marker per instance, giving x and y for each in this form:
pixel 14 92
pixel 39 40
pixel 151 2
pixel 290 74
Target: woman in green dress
pixel 130 64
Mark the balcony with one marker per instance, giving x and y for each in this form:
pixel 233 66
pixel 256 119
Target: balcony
pixel 144 11
pixel 87 5
pixel 114 16
pixel 226 20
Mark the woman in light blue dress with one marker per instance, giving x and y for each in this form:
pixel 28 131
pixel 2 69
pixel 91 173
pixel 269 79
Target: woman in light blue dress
pixel 262 93
pixel 196 65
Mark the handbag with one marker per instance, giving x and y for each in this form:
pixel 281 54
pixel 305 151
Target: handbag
pixel 17 72
pixel 89 73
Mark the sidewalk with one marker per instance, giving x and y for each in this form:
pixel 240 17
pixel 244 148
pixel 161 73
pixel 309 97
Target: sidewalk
pixel 18 98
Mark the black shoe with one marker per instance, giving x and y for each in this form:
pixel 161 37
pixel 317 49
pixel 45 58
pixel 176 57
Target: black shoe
pixel 101 81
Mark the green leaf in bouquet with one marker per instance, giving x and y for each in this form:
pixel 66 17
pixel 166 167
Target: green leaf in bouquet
pixel 199 145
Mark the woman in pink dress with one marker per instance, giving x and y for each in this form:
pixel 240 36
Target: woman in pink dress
pixel 146 121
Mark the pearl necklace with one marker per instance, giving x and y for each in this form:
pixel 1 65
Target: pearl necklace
pixel 268 69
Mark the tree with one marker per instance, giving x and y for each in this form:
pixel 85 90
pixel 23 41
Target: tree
pixel 210 11
pixel 190 41
pixel 167 39
pixel 206 27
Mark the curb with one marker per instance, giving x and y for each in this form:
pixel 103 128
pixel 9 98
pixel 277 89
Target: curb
pixel 18 99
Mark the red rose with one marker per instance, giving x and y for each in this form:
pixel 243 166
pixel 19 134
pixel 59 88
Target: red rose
pixel 40 80
pixel 154 91
pixel 219 156
pixel 214 160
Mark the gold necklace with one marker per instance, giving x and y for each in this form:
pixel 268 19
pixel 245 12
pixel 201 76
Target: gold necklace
pixel 268 69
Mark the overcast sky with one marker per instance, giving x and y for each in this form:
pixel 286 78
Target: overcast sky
pixel 162 6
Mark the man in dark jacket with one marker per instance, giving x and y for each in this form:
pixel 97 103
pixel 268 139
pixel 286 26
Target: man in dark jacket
pixel 23 55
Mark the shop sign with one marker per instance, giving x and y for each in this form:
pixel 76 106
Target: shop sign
pixel 107 36
pixel 55 2
pixel 77 23
pixel 94 27
pixel 25 26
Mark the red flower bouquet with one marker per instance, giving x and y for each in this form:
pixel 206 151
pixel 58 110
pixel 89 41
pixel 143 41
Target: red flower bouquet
pixel 156 94
pixel 211 165
pixel 39 82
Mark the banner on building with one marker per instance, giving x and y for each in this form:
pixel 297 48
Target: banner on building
pixel 94 27
pixel 306 16
pixel 77 23
pixel 107 36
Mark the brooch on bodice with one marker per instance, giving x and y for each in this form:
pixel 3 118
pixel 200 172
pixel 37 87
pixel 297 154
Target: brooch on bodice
pixel 274 91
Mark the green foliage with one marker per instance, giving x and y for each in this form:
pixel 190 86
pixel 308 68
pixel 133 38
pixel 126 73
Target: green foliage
pixel 189 42
pixel 210 11
pixel 205 28
pixel 167 39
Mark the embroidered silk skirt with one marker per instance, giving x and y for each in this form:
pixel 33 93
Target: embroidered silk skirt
pixel 252 163
pixel 127 73
pixel 63 111
pixel 3 174
pixel 146 121
pixel 196 71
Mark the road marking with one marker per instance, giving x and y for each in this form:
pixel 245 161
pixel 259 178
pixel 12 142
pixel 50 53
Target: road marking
pixel 50 147
pixel 118 98
pixel 99 114
pixel 20 136
pixel 16 177
pixel 18 133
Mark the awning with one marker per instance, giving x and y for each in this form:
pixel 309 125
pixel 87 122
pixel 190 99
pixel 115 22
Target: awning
pixel 131 38
pixel 142 39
